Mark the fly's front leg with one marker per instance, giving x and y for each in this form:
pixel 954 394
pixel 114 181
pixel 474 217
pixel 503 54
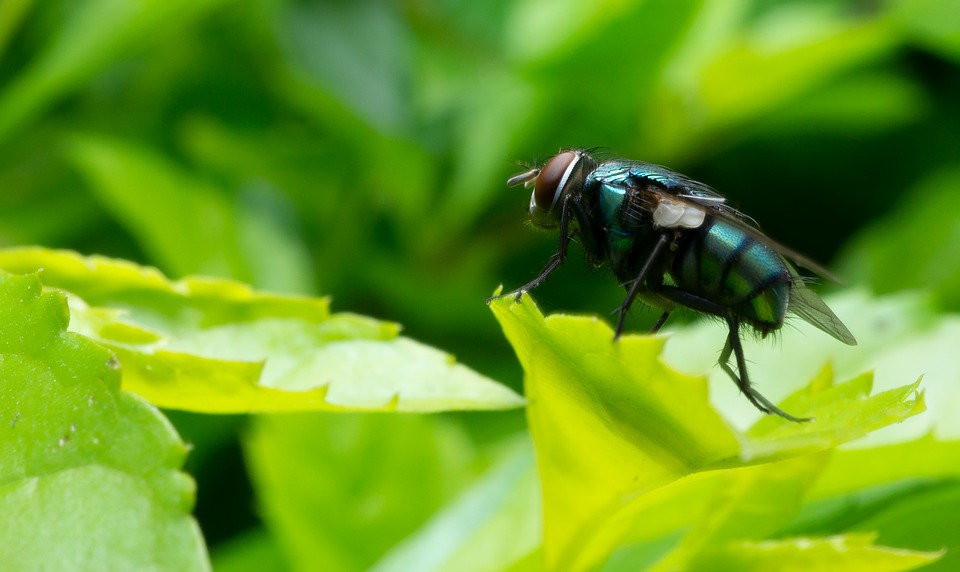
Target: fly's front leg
pixel 632 293
pixel 555 261
pixel 734 346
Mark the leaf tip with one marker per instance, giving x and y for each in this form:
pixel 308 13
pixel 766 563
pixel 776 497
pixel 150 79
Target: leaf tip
pixel 824 379
pixel 393 404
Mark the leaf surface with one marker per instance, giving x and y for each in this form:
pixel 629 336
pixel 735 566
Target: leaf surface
pixel 218 346
pixel 89 475
pixel 613 425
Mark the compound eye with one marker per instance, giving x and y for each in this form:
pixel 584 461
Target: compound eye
pixel 551 180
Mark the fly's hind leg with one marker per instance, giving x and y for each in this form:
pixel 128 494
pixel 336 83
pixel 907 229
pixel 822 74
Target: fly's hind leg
pixel 733 345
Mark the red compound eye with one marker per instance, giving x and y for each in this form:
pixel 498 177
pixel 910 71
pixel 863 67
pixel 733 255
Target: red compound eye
pixel 548 187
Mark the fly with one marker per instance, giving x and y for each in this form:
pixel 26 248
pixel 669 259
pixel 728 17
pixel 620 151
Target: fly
pixel 672 241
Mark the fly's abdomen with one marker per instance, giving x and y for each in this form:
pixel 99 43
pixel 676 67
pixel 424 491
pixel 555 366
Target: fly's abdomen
pixel 731 268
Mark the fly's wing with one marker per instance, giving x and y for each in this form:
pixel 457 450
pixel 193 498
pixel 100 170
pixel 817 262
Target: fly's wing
pixel 805 303
pixel 679 187
pixel 683 188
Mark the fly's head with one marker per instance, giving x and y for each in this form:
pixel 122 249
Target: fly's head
pixel 560 177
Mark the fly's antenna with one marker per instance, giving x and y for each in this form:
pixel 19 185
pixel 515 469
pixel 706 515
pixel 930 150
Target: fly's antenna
pixel 526 178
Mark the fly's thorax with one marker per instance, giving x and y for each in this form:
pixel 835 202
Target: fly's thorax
pixel 561 178
pixel 623 212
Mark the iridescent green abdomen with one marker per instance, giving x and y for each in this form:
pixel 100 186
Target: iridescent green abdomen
pixel 724 264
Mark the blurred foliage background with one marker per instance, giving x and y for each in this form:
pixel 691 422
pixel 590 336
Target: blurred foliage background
pixel 359 149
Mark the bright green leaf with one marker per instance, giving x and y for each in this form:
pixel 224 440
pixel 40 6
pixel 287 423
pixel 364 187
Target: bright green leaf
pixel 153 299
pixel 612 423
pixel 685 524
pixel 847 553
pixel 841 413
pixel 899 338
pixel 753 503
pixel 855 469
pixel 89 475
pixel 338 491
pixel 492 525
pixel 217 346
pixel 749 507
pixel 606 428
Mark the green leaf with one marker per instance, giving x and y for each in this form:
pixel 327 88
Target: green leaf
pixel 358 53
pixel 857 105
pixel 217 346
pixel 783 57
pixel 690 523
pixel 846 553
pixel 89 475
pixel 606 428
pixel 187 223
pixel 746 513
pixel 183 222
pixel 753 503
pixel 95 34
pixel 736 67
pixel 612 423
pixel 931 23
pixel 326 506
pixel 841 413
pixel 926 458
pixel 926 520
pixel 900 337
pixel 252 551
pixel 908 493
pixel 539 29
pixel 491 526
pixel 12 13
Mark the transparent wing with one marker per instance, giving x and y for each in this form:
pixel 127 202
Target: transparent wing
pixel 680 187
pixel 805 303
pixel 713 204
